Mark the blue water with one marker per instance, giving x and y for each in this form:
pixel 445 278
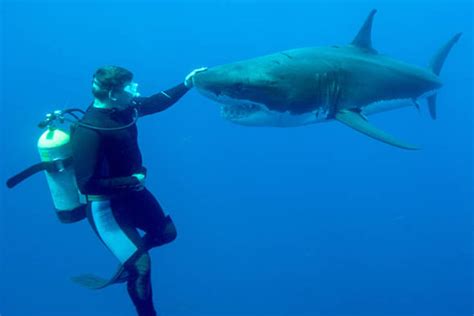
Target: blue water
pixel 315 220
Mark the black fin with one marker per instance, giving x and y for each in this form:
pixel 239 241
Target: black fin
pixel 363 39
pixel 95 282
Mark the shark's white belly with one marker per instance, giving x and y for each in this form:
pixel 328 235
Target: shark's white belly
pixel 255 114
pixel 388 105
pixel 383 106
pixel 250 113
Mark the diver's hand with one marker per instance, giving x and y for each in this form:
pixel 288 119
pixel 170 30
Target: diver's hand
pixel 141 179
pixel 189 80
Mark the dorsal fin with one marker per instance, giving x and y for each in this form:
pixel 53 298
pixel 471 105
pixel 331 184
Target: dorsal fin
pixel 363 39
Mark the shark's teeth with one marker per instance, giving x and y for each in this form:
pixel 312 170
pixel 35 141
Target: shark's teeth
pixel 239 111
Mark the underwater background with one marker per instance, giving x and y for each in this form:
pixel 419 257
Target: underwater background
pixel 314 220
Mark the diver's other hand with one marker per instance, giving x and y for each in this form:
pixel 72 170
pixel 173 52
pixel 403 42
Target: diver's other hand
pixel 189 80
pixel 141 181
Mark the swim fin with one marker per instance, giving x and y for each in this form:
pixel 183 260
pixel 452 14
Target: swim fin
pixel 95 282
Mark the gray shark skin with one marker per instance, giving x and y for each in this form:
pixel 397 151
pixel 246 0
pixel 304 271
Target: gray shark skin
pixel 309 85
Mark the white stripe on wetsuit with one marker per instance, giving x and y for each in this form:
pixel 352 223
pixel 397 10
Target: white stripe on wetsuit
pixel 166 94
pixel 110 232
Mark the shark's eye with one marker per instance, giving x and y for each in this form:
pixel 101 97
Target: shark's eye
pixel 274 82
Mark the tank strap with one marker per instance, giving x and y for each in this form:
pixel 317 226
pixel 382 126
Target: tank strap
pixel 50 166
pixel 72 216
pixel 95 198
pixel 58 164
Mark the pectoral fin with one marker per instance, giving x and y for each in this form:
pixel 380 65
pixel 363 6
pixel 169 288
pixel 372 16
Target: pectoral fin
pixel 358 122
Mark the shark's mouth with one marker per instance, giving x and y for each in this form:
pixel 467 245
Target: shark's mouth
pixel 239 112
pixel 252 113
pixel 255 114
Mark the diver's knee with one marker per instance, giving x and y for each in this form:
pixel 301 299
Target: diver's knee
pixel 143 263
pixel 161 237
pixel 139 266
pixel 169 233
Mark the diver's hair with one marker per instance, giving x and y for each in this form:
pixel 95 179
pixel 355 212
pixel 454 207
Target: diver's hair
pixel 109 78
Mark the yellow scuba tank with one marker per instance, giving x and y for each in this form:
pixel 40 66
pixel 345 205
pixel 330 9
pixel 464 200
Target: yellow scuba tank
pixel 55 152
pixel 56 160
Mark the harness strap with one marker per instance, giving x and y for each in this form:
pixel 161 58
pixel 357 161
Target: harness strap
pixel 50 166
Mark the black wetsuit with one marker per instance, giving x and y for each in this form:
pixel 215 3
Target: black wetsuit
pixel 104 162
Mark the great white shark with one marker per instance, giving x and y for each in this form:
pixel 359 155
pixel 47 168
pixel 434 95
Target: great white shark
pixel 309 85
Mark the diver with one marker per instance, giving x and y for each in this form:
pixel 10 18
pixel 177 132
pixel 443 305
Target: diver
pixel 110 174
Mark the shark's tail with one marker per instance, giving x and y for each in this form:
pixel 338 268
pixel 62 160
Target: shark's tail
pixel 436 64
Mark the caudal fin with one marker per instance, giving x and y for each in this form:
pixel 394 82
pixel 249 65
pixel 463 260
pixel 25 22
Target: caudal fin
pixel 436 64
pixel 438 59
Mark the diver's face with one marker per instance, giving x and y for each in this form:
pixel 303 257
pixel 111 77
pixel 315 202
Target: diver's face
pixel 132 89
pixel 122 98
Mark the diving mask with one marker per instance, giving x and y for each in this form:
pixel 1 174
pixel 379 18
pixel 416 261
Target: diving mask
pixel 132 89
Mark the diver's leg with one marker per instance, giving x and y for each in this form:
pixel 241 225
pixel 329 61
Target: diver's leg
pixel 139 285
pixel 111 221
pixel 165 236
pixel 159 229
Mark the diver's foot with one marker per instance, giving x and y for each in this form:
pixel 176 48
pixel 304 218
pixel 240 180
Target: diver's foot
pixel 123 275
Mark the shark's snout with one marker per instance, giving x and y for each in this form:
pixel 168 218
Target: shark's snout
pixel 201 80
pixel 234 81
pixel 210 83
